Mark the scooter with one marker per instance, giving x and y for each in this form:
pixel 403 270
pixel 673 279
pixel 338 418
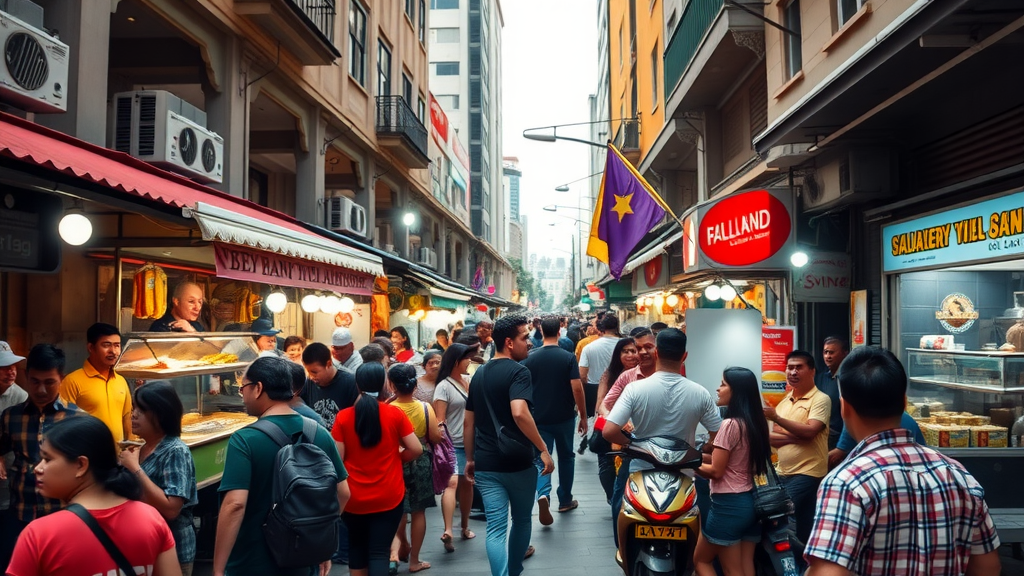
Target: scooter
pixel 775 555
pixel 659 521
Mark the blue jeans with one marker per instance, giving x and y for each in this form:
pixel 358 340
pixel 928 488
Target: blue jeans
pixel 502 492
pixel 803 490
pixel 558 438
pixel 618 492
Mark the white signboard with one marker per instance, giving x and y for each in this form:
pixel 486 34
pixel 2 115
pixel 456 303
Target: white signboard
pixel 825 278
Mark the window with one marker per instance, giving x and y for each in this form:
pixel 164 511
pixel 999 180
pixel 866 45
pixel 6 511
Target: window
pixel 383 69
pixel 793 55
pixel 444 4
pixel 422 29
pixel 448 101
pixel 446 68
pixel 654 76
pixel 410 9
pixel 357 42
pixel 421 109
pixel 622 46
pixel 445 35
pixel 407 89
pixel 847 8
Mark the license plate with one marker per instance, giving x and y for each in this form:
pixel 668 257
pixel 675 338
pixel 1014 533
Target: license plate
pixel 649 532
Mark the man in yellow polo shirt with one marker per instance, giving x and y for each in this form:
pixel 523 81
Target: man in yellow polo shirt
pixel 800 435
pixel 96 388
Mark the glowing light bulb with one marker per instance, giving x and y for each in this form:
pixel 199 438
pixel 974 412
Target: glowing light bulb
pixel 713 292
pixel 310 303
pixel 276 302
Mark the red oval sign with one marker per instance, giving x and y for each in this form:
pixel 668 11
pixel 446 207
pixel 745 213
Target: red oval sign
pixel 652 272
pixel 744 229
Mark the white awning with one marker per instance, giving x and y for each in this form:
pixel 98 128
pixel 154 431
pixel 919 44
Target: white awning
pixel 218 224
pixel 655 248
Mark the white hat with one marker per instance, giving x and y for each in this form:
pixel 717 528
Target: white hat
pixel 7 356
pixel 341 337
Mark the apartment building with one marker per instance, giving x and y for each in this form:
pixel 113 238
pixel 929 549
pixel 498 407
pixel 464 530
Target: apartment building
pixel 515 221
pixel 600 128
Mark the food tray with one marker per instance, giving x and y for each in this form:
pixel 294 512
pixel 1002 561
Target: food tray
pixel 128 371
pixel 200 429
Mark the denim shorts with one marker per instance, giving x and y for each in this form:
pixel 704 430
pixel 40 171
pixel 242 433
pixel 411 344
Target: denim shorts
pixel 460 461
pixel 732 519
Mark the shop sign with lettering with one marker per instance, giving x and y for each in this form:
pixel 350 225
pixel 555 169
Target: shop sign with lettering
pixel 825 278
pixel 240 263
pixel 990 229
pixel 744 230
pixel 28 231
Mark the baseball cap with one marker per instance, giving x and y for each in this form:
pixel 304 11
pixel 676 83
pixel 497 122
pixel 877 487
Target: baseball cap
pixel 7 356
pixel 264 327
pixel 341 337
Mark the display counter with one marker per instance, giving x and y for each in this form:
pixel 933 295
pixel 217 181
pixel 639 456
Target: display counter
pixel 205 370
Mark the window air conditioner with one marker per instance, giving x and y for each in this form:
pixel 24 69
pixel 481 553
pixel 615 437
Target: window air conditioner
pixel 344 215
pixel 34 75
pixel 164 130
pixel 427 257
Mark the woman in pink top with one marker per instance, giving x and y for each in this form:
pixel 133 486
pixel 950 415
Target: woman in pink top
pixel 741 450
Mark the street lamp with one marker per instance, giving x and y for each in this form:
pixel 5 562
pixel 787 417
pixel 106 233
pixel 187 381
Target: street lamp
pixel 562 188
pixel 553 136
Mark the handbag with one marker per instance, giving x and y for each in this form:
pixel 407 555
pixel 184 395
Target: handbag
pixel 442 456
pixel 770 496
pixel 97 530
pixel 509 445
pixel 596 443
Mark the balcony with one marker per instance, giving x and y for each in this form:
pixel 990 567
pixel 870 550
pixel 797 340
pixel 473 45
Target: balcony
pixel 627 140
pixel 401 132
pixel 304 27
pixel 710 49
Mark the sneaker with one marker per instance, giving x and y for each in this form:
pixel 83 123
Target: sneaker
pixel 544 503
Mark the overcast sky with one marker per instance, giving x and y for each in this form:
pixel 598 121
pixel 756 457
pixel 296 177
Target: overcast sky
pixel 549 50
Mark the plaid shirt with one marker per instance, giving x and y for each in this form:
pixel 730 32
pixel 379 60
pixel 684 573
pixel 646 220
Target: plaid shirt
pixel 895 507
pixel 21 429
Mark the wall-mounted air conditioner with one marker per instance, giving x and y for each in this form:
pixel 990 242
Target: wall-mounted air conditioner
pixel 344 215
pixel 34 75
pixel 164 130
pixel 427 257
pixel 852 176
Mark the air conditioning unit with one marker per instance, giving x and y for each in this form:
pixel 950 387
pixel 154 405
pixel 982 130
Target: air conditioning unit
pixel 34 76
pixel 344 215
pixel 853 176
pixel 427 257
pixel 164 130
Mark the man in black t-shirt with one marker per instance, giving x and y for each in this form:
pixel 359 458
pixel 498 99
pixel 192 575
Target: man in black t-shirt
pixel 328 390
pixel 557 399
pixel 500 398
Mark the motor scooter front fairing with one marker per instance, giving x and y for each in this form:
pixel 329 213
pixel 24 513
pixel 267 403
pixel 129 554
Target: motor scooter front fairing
pixel 659 521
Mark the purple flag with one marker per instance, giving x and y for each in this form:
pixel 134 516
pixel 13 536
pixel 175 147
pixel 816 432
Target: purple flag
pixel 627 209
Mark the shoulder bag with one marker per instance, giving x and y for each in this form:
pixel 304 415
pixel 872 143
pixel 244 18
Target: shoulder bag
pixel 512 449
pixel 97 530
pixel 770 496
pixel 442 455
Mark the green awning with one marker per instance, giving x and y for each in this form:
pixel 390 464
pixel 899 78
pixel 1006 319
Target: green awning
pixel 620 291
pixel 447 303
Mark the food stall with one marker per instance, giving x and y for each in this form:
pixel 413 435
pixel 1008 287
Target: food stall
pixel 193 364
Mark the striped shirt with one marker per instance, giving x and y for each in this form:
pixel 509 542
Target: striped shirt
pixel 895 507
pixel 21 430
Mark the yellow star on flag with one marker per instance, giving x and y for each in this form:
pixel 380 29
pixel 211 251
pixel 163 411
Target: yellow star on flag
pixel 622 205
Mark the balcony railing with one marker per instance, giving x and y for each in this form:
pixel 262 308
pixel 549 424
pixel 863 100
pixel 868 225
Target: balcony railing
pixel 697 19
pixel 396 118
pixel 319 15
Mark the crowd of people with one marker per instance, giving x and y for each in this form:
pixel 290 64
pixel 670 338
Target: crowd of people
pixel 509 394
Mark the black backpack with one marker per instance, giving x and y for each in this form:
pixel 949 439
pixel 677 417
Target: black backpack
pixel 301 528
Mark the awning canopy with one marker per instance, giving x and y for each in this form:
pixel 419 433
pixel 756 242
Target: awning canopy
pixel 221 216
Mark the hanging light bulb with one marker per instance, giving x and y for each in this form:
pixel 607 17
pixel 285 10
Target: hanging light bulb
pixel 659 301
pixel 640 302
pixel 648 301
pixel 75 228
pixel 330 304
pixel 728 293
pixel 713 292
pixel 310 303
pixel 798 259
pixel 276 302
pixel 346 305
pixel 672 300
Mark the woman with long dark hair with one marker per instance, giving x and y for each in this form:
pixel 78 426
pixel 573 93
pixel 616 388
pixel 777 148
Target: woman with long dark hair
pixel 403 347
pixel 741 451
pixel 164 464
pixel 79 467
pixel 624 357
pixel 427 381
pixel 450 406
pixel 370 435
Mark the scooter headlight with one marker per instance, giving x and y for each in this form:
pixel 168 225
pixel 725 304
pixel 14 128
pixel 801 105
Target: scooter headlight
pixel 627 507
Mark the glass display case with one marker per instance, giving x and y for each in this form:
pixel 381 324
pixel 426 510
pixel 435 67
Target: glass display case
pixel 966 398
pixel 205 370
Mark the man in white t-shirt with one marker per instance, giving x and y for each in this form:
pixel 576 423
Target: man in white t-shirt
pixel 595 359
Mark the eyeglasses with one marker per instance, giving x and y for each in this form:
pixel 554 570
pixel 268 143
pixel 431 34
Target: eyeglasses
pixel 242 387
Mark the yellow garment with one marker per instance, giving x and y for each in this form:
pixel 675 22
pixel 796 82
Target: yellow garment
pixel 583 344
pixel 809 458
pixel 415 411
pixel 109 400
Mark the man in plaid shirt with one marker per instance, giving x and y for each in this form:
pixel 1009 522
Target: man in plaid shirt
pixel 22 427
pixel 893 506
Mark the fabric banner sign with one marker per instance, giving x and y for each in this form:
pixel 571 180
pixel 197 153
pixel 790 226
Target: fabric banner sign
pixel 246 264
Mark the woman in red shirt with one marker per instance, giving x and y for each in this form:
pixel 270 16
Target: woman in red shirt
pixel 403 347
pixel 369 436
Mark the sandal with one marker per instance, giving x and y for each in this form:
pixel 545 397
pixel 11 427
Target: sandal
pixel 447 539
pixel 393 568
pixel 467 534
pixel 529 552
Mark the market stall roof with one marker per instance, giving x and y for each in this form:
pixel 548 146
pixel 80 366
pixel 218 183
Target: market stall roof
pixel 245 222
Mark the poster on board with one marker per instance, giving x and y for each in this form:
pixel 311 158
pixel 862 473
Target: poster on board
pixel 776 343
pixel 858 318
